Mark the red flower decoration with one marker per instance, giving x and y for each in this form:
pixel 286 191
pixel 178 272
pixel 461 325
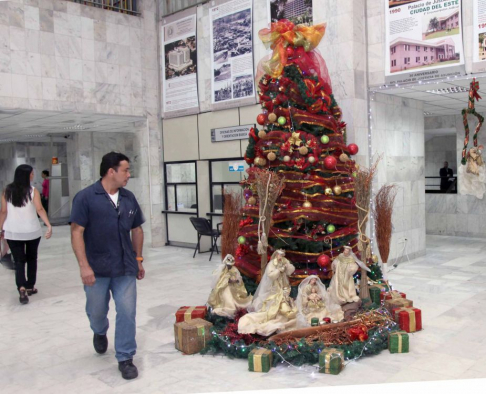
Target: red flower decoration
pixel 246 222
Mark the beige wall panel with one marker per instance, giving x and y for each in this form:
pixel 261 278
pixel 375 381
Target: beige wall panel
pixel 248 115
pixel 180 139
pixel 217 119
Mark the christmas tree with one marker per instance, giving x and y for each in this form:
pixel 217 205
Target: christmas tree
pixel 304 141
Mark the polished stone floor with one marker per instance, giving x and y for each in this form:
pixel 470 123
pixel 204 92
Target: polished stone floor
pixel 45 346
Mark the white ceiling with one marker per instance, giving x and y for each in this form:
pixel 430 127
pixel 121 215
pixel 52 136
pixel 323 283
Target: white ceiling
pixel 439 104
pixel 24 125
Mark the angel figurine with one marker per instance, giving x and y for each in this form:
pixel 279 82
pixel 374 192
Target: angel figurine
pixel 313 301
pixel 472 177
pixel 342 288
pixel 272 308
pixel 229 293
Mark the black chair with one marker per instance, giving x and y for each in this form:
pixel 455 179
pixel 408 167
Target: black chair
pixel 203 227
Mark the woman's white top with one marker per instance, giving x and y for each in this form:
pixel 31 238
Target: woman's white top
pixel 22 223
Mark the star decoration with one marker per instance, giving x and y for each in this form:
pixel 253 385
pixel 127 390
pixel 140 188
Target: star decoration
pixel 295 139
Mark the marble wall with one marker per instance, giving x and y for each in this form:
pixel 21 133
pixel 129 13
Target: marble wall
pixel 398 137
pixel 437 150
pixel 64 56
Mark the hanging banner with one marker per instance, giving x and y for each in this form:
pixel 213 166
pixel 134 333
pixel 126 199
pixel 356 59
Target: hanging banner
pixel 423 40
pixel 296 11
pixel 232 82
pixel 479 36
pixel 179 64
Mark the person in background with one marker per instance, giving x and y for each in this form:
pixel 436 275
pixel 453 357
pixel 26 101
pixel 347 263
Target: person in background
pixel 45 190
pixel 102 218
pixel 19 225
pixel 445 174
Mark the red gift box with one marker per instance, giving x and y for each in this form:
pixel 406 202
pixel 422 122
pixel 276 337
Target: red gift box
pixel 388 295
pixel 409 319
pixel 187 313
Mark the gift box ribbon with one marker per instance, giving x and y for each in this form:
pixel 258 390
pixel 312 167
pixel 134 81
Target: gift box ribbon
pixel 400 340
pixel 331 354
pixel 412 321
pixel 188 313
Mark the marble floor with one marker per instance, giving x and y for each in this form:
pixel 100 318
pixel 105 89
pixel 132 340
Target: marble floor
pixel 45 346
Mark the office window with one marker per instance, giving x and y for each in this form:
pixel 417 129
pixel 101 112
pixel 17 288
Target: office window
pixel 394 63
pixel 407 47
pixel 417 48
pixel 180 187
pixel 425 58
pixel 417 59
pixel 223 177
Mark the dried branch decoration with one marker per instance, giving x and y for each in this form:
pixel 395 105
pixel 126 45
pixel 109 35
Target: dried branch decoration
pixel 383 212
pixel 231 221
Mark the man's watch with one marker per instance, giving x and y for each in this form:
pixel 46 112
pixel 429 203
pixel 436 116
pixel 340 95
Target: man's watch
pixel 139 259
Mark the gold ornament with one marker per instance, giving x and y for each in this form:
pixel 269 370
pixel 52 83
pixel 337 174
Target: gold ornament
pixel 337 190
pixel 303 150
pixel 260 161
pixel 252 201
pixel 311 159
pixel 343 157
pixel 262 134
pixel 271 156
pixel 307 204
pixel 272 117
pixel 286 159
pixel 295 139
pixel 374 258
pixel 328 191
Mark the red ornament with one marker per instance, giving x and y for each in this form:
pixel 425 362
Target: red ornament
pixel 290 52
pixel 330 162
pixel 261 119
pixel 353 149
pixel 323 260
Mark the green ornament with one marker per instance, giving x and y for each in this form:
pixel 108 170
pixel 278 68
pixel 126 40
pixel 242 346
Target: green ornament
pixel 330 228
pixel 325 139
pixel 281 120
pixel 241 239
pixel 354 174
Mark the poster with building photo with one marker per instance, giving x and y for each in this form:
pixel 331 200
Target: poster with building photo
pixel 479 36
pixel 296 11
pixel 232 82
pixel 423 40
pixel 179 64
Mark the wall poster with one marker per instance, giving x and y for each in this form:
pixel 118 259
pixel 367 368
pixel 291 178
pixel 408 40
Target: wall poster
pixel 179 64
pixel 479 36
pixel 296 11
pixel 423 40
pixel 231 29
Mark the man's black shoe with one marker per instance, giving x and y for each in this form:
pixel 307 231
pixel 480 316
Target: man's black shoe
pixel 127 369
pixel 100 343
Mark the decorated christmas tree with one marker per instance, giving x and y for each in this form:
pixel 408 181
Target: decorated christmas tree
pixel 303 140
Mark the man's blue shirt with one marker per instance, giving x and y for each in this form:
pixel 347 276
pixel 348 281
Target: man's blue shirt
pixel 109 248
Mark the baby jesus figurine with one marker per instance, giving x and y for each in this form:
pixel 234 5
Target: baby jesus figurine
pixel 314 299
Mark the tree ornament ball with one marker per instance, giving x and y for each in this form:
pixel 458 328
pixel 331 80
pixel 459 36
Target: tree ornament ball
pixel 374 258
pixel 262 134
pixel 330 162
pixel 271 156
pixel 312 159
pixel 337 190
pixel 325 139
pixel 261 119
pixel 330 228
pixel 241 239
pixel 353 149
pixel 252 201
pixel 303 150
pixel 281 120
pixel 323 260
pixel 307 204
pixel 354 174
pixel 328 191
pixel 286 159
pixel 343 158
pixel 272 117
pixel 260 161
pixel 290 51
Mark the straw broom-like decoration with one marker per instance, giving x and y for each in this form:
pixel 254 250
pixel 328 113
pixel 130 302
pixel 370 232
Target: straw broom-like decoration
pixel 269 185
pixel 362 192
pixel 231 221
pixel 383 212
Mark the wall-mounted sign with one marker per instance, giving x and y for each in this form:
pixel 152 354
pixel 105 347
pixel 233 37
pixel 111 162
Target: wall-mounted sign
pixel 237 166
pixel 231 133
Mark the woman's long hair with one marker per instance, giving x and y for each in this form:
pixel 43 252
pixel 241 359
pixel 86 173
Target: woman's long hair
pixel 18 192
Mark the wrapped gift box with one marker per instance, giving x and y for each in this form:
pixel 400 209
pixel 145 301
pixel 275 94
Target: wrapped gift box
pixel 398 342
pixel 187 313
pixel 397 303
pixel 409 319
pixel 389 295
pixel 191 336
pixel 331 361
pixel 260 360
pixel 376 291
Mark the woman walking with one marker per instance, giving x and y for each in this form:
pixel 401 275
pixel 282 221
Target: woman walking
pixel 19 225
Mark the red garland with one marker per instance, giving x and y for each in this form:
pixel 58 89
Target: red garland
pixel 231 331
pixel 245 222
pixel 241 250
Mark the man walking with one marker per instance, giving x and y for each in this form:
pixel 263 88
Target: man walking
pixel 102 218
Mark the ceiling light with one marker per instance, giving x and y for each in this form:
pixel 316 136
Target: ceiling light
pixel 77 127
pixel 451 90
pixel 427 113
